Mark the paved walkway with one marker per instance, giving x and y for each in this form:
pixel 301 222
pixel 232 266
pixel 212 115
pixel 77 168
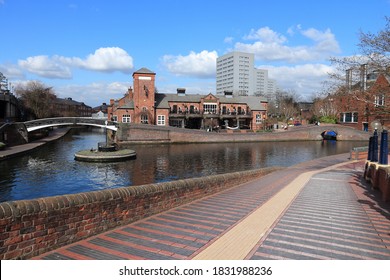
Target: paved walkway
pixel 13 151
pixel 316 210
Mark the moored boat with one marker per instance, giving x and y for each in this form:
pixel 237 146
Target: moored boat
pixel 329 135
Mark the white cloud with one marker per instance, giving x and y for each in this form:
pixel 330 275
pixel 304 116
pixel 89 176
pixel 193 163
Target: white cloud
pixel 45 66
pixel 326 41
pixel 228 40
pixel 102 60
pixel 93 94
pixel 305 79
pixel 266 35
pixel 11 71
pixel 272 46
pixel 201 65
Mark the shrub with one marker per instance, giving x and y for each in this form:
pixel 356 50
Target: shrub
pixel 328 119
pixel 2 146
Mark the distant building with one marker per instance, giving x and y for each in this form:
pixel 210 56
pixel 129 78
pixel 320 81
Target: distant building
pixel 141 104
pixel 9 104
pixel 99 115
pixel 102 108
pixel 364 102
pixel 67 107
pixel 236 72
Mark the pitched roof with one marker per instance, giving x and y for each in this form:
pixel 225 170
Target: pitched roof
pixel 144 70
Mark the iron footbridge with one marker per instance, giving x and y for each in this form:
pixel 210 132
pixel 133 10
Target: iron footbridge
pixel 51 122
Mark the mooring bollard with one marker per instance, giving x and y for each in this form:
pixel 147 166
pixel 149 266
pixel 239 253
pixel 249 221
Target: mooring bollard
pixel 384 149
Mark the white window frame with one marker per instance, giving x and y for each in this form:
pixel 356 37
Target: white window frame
pixel 379 100
pixel 259 118
pixel 144 119
pixel 210 108
pixel 126 118
pixel 354 117
pixel 161 120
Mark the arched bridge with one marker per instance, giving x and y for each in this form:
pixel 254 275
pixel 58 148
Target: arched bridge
pixel 50 122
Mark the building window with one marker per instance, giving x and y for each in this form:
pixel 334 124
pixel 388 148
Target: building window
pixel 126 118
pixel 349 117
pixel 161 120
pixel 258 118
pixel 379 100
pixel 210 108
pixel 114 118
pixel 144 119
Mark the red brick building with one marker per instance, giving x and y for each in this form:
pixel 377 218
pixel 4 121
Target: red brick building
pixel 141 104
pixel 369 100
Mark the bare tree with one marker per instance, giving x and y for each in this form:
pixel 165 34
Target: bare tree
pixel 376 47
pixel 285 105
pixel 374 54
pixel 354 76
pixel 36 98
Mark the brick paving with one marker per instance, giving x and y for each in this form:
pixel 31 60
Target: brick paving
pixel 334 216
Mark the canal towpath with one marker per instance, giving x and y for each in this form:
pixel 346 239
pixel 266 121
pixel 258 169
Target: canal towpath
pixel 13 151
pixel 320 209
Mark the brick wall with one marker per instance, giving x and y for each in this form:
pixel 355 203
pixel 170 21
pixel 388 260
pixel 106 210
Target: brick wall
pixel 148 133
pixel 379 178
pixel 32 227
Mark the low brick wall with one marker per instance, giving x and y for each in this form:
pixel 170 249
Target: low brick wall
pixel 379 178
pixel 32 227
pixel 138 133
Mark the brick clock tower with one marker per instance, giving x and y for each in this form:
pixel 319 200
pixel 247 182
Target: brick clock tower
pixel 144 99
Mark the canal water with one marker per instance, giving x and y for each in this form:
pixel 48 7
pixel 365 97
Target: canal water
pixel 52 170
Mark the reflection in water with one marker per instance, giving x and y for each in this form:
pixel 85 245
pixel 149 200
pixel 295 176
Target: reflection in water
pixel 52 169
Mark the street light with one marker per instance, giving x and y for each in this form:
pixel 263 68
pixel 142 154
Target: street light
pixel 106 123
pixel 376 125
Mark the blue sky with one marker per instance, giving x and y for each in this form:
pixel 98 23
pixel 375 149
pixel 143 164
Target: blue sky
pixel 89 49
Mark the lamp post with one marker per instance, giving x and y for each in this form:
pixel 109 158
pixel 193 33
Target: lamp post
pixel 106 123
pixel 376 125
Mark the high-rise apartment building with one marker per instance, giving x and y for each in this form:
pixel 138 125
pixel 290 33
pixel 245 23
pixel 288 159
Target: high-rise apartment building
pixel 236 72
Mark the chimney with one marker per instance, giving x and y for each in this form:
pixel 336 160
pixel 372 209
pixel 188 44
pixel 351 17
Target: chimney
pixel 181 91
pixel 348 77
pixel 228 93
pixel 363 77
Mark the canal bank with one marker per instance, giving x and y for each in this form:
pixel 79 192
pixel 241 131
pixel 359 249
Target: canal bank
pixel 14 151
pixel 129 134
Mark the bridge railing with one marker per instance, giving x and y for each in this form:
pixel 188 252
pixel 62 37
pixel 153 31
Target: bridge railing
pixel 67 121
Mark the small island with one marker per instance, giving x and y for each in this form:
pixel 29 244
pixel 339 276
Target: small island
pixel 104 156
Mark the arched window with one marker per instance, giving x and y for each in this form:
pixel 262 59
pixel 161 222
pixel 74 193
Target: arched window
pixel 144 119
